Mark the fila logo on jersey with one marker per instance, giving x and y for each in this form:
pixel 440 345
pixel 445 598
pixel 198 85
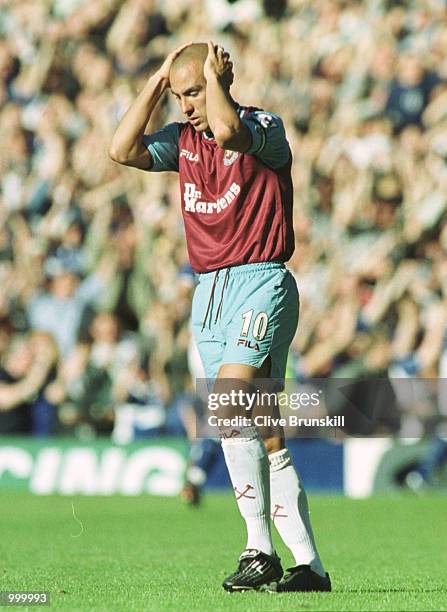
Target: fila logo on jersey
pixel 191 198
pixel 189 156
pixel 248 344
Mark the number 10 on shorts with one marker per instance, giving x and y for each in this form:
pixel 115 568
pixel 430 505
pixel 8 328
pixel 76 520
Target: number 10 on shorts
pixel 260 324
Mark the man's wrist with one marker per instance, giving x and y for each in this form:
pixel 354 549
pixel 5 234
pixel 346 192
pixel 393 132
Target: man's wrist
pixel 158 81
pixel 214 78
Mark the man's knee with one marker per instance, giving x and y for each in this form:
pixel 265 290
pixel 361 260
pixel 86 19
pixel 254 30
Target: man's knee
pixel 274 444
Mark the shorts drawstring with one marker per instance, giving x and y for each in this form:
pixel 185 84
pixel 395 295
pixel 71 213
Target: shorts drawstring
pixel 219 308
pixel 209 301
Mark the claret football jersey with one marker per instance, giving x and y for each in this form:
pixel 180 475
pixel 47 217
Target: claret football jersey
pixel 237 207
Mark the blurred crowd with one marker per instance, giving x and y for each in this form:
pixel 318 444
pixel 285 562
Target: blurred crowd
pixel 95 286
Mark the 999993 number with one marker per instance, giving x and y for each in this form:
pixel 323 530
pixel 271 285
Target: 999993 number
pixel 24 598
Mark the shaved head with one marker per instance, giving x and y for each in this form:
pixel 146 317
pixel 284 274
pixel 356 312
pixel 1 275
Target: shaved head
pixel 194 54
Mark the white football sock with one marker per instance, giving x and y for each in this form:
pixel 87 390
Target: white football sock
pixel 290 512
pixel 248 465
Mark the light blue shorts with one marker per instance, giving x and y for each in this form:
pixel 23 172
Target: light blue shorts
pixel 244 314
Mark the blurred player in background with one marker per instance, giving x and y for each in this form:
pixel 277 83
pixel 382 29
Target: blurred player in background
pixel 204 452
pixel 234 165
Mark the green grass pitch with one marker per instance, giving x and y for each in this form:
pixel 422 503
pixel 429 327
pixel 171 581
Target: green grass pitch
pixel 149 553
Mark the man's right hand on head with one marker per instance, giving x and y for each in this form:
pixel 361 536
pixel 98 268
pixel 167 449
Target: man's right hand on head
pixel 165 68
pixel 127 146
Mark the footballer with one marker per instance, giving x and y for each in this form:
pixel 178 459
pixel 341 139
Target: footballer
pixel 234 166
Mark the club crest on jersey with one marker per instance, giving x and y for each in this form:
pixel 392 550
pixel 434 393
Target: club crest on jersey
pixel 230 157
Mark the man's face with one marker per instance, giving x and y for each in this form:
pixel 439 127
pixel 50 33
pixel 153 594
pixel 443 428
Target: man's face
pixel 188 86
pixel 64 285
pixel 19 359
pixel 410 70
pixel 105 327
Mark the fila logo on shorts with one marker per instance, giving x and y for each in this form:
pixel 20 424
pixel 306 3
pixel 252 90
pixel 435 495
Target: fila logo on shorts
pixel 248 344
pixel 189 156
pixel 191 198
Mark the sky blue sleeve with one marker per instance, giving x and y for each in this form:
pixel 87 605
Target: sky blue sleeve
pixel 163 147
pixel 269 142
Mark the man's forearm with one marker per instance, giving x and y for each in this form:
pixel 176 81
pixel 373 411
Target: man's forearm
pixel 221 112
pixel 127 143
